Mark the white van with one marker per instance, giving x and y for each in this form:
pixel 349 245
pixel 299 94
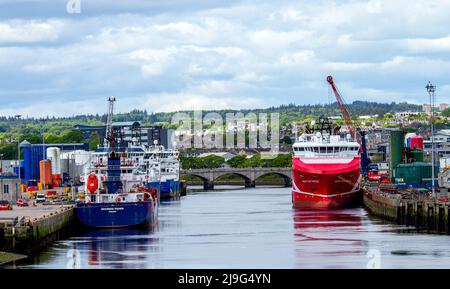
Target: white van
pixel 40 198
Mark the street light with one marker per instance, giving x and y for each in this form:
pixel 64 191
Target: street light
pixel 18 116
pixel 431 90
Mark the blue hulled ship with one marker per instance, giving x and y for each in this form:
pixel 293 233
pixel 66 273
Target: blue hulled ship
pixel 169 183
pixel 116 181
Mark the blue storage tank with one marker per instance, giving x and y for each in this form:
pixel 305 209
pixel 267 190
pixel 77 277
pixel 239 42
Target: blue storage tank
pixel 26 160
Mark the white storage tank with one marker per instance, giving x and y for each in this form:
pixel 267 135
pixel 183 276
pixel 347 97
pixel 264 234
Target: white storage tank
pixel 54 155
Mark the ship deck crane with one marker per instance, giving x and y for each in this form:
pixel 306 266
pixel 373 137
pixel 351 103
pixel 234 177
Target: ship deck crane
pixel 109 134
pixel 351 128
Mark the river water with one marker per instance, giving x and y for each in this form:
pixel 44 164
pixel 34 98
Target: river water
pixel 250 228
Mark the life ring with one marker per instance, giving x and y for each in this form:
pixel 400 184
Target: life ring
pixel 118 200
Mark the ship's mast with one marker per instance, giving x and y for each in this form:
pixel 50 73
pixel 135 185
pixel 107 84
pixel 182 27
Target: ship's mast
pixel 109 133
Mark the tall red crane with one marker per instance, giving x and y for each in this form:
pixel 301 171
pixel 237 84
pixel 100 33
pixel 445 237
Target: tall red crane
pixel 349 123
pixel 345 114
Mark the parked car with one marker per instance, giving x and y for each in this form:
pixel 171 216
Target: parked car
pixel 5 206
pixel 40 198
pixel 22 203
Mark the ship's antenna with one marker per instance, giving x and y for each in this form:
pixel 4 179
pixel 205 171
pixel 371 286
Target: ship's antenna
pixel 108 134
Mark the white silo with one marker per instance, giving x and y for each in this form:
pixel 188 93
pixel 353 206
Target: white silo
pixel 54 155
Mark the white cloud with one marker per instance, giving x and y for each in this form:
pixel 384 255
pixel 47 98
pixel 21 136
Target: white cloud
pixel 19 31
pixel 297 58
pixel 187 101
pixel 428 45
pixel 235 54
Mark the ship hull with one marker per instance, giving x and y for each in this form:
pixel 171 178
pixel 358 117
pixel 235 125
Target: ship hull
pixel 326 185
pixel 117 215
pixel 170 189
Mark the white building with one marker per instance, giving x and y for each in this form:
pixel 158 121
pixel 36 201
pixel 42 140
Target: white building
pixel 9 188
pixel 225 155
pixel 405 114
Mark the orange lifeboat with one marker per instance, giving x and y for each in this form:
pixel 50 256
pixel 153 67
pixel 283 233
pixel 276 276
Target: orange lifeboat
pixel 92 183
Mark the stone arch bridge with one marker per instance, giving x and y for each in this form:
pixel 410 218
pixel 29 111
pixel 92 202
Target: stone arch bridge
pixel 208 176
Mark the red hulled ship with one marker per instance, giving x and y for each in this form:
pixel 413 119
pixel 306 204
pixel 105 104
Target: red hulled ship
pixel 325 169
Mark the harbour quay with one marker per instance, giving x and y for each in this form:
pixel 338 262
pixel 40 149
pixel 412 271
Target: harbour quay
pixel 425 214
pixel 26 230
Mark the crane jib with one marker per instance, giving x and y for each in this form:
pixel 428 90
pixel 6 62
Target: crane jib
pixel 344 111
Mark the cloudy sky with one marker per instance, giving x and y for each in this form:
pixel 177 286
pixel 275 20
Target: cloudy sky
pixel 172 55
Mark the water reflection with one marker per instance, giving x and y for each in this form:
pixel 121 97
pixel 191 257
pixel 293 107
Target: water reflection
pixel 249 228
pixel 328 237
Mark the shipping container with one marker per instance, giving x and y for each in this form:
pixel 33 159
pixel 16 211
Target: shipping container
pixel 414 174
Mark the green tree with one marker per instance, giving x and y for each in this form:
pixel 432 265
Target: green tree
pixel 446 112
pixel 94 141
pixel 212 161
pixel 237 161
pixel 71 136
pixel 9 151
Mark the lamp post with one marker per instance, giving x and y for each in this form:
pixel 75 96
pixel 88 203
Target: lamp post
pixel 18 116
pixel 431 90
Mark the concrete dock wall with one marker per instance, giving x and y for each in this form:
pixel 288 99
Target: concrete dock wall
pixel 425 215
pixel 36 234
pixel 382 206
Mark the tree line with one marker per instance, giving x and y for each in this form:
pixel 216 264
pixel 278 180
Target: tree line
pixel 240 161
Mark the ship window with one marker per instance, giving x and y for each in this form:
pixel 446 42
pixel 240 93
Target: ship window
pixel 323 150
pixel 300 149
pixel 316 149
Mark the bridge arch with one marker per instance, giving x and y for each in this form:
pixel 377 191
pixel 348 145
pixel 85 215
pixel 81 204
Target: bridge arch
pixel 207 183
pixel 287 178
pixel 248 181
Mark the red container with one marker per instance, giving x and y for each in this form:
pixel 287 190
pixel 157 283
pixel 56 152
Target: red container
pixel 51 193
pixel 416 142
pixel 56 180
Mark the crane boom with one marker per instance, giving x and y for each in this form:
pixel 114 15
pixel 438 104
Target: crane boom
pixel 109 132
pixel 349 123
pixel 341 104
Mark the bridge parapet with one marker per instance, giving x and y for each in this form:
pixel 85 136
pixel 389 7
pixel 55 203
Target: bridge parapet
pixel 248 174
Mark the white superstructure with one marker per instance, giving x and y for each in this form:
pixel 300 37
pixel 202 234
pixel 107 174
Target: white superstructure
pixel 325 146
